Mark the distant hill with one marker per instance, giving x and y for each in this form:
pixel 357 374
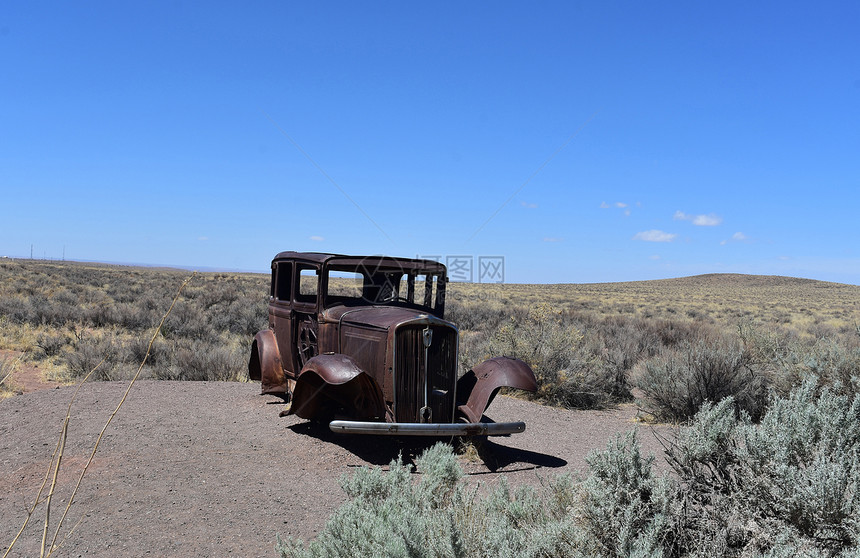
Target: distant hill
pixel 740 279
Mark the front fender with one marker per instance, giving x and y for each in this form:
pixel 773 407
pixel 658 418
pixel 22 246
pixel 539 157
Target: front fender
pixel 264 364
pixel 477 388
pixel 332 383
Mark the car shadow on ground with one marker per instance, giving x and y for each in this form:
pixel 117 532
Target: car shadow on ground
pixel 501 458
pixel 375 450
pixel 381 450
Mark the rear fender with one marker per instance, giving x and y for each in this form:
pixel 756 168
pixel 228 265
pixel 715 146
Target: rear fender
pixel 477 388
pixel 264 364
pixel 330 384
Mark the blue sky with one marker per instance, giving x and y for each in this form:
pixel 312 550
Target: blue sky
pixel 583 142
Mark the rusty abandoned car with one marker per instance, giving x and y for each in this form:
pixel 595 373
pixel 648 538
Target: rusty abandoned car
pixel 362 342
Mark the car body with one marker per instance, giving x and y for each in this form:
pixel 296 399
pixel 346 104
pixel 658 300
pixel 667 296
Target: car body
pixel 361 341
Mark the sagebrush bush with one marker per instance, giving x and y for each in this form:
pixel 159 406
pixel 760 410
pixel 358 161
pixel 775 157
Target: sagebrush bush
pixel 159 353
pixel 393 514
pixel 389 515
pixel 834 364
pixel 201 361
pixel 564 362
pixel 52 344
pixel 677 383
pixel 626 510
pixel 580 359
pixel 476 315
pixel 787 486
pixel 88 352
pixel 789 482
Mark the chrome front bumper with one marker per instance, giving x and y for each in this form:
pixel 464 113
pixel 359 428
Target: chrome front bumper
pixel 427 429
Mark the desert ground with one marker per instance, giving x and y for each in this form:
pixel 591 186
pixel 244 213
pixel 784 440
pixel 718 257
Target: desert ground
pixel 211 469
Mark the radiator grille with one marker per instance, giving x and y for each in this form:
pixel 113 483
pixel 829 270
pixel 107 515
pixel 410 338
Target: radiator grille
pixel 409 372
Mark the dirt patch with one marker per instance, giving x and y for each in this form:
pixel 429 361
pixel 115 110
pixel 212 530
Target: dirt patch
pixel 27 377
pixel 210 469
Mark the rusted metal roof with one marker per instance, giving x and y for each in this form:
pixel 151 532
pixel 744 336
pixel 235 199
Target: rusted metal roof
pixel 366 261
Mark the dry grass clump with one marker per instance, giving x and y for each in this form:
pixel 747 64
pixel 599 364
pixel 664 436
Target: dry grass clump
pixel 7 368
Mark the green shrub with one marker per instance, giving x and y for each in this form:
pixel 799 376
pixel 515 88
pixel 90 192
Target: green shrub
pixel 187 320
pixel 476 314
pixel 835 364
pixel 626 510
pixel 580 359
pixel 790 482
pixel 389 515
pixel 787 486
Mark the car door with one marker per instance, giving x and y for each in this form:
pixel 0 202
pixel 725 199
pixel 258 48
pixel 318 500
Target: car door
pixel 281 314
pixel 305 325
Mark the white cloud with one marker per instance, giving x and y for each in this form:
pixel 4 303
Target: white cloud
pixel 203 238
pixel 316 238
pixel 709 220
pixel 619 205
pixel 737 237
pixel 654 236
pixel 654 257
pixel 552 239
pixel 528 205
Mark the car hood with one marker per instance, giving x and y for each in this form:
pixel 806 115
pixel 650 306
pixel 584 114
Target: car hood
pixel 382 317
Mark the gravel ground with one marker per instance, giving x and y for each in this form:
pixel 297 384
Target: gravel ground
pixel 209 468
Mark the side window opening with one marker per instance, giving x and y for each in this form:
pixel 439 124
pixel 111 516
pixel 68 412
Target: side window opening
pixel 308 284
pixel 282 281
pixel 344 286
pixel 273 283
